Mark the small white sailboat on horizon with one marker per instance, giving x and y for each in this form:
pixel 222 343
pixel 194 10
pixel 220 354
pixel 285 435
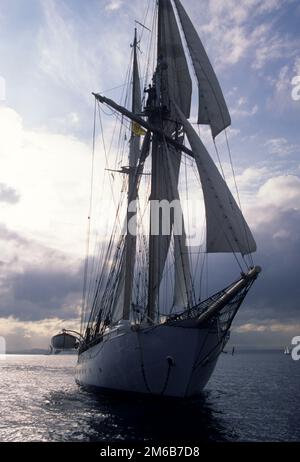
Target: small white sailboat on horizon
pixel 287 350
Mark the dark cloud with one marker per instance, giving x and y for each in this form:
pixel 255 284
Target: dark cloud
pixel 44 287
pixel 54 292
pixel 49 286
pixel 52 286
pixel 276 294
pixel 39 294
pixel 8 194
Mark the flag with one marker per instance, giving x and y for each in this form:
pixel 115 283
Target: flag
pixel 137 129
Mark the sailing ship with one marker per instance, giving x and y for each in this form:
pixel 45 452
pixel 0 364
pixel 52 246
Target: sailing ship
pixel 140 334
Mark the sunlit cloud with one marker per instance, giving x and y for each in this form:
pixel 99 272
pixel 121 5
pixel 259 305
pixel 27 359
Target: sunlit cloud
pixel 113 5
pixel 20 335
pixel 269 326
pixel 53 191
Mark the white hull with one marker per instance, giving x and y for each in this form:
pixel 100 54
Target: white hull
pixel 167 360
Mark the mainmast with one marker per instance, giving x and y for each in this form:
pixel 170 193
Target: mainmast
pixel 156 119
pixel 171 82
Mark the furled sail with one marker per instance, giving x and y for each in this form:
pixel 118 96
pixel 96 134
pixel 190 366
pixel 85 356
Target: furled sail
pixel 165 188
pixel 134 151
pixel 213 110
pixel 159 243
pixel 227 230
pixel 175 82
pixel 183 282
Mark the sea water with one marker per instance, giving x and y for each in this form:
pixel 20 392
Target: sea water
pixel 252 396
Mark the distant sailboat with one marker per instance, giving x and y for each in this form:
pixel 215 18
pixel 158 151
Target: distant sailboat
pixel 287 350
pixel 139 336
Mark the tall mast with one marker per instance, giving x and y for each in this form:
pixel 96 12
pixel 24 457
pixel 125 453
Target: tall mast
pixel 155 119
pixel 153 240
pixel 130 241
pixel 172 82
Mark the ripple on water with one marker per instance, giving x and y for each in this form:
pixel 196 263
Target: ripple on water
pixel 251 397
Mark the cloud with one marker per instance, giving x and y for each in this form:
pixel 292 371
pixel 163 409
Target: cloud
pixel 42 238
pixel 8 194
pixel 252 178
pixel 275 220
pixel 272 209
pixel 37 281
pixel 281 147
pixel 270 313
pixel 81 64
pixel 297 66
pixel 272 46
pixel 52 172
pixel 113 5
pixel 268 326
pixel 244 30
pixel 47 288
pixel 282 192
pixel 241 109
pixel 259 336
pixel 23 335
pixel 62 56
pixel 281 98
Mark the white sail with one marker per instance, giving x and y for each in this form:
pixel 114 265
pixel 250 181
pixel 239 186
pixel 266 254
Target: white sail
pixel 159 243
pixel 165 187
pixel 227 230
pixel 213 110
pixel 134 151
pixel 182 283
pixel 176 80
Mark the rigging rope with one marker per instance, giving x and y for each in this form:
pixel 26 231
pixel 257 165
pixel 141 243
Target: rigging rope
pixel 89 228
pixel 238 196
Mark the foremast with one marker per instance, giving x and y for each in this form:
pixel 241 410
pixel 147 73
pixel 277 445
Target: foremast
pixel 134 155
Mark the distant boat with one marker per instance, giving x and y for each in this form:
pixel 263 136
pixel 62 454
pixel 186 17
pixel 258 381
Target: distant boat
pixel 233 351
pixel 64 343
pixel 287 350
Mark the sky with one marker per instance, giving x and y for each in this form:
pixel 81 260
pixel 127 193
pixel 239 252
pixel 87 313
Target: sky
pixel 53 54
